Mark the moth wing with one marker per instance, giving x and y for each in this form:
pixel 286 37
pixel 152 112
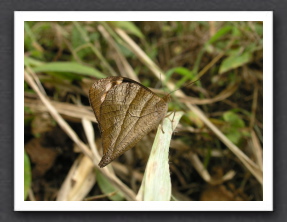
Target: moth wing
pixel 128 113
pixel 98 91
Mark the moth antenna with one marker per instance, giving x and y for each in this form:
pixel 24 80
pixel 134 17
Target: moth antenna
pixel 161 127
pixel 161 85
pixel 184 86
pixel 160 79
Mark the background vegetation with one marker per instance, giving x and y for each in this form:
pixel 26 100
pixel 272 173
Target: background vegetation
pixel 216 150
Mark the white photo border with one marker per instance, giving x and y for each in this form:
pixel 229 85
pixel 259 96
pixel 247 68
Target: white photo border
pixel 265 16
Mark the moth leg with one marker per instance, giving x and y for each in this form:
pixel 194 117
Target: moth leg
pixel 173 116
pixel 170 114
pixel 161 127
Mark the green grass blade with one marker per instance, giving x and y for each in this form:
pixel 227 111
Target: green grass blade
pixel 27 175
pixel 233 62
pixel 107 188
pixel 72 67
pixel 128 26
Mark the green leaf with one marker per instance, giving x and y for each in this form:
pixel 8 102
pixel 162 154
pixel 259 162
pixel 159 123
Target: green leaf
pixel 28 61
pixel 78 41
pixel 107 188
pixel 71 67
pixel 83 32
pixel 236 32
pixel 234 130
pixel 234 52
pixel 130 27
pixel 27 175
pixel 181 71
pixel 251 47
pixel 221 32
pixel 233 119
pixel 207 158
pixel 234 136
pixel 233 62
pixel 76 38
pixel 29 32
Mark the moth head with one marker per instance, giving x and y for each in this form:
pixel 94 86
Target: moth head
pixel 167 98
pixel 162 105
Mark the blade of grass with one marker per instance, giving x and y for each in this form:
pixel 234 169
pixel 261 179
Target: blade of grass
pixel 128 26
pixel 106 187
pixel 72 67
pixel 95 50
pixel 29 32
pixel 27 175
pixel 124 67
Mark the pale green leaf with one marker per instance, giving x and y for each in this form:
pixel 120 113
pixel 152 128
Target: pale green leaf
pixel 156 184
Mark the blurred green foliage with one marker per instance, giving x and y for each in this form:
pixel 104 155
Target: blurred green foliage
pixel 107 188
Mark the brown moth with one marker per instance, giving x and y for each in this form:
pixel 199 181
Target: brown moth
pixel 126 111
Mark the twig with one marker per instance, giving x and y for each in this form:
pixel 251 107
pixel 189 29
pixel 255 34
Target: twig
pixel 31 195
pixel 254 106
pixel 66 109
pixel 257 149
